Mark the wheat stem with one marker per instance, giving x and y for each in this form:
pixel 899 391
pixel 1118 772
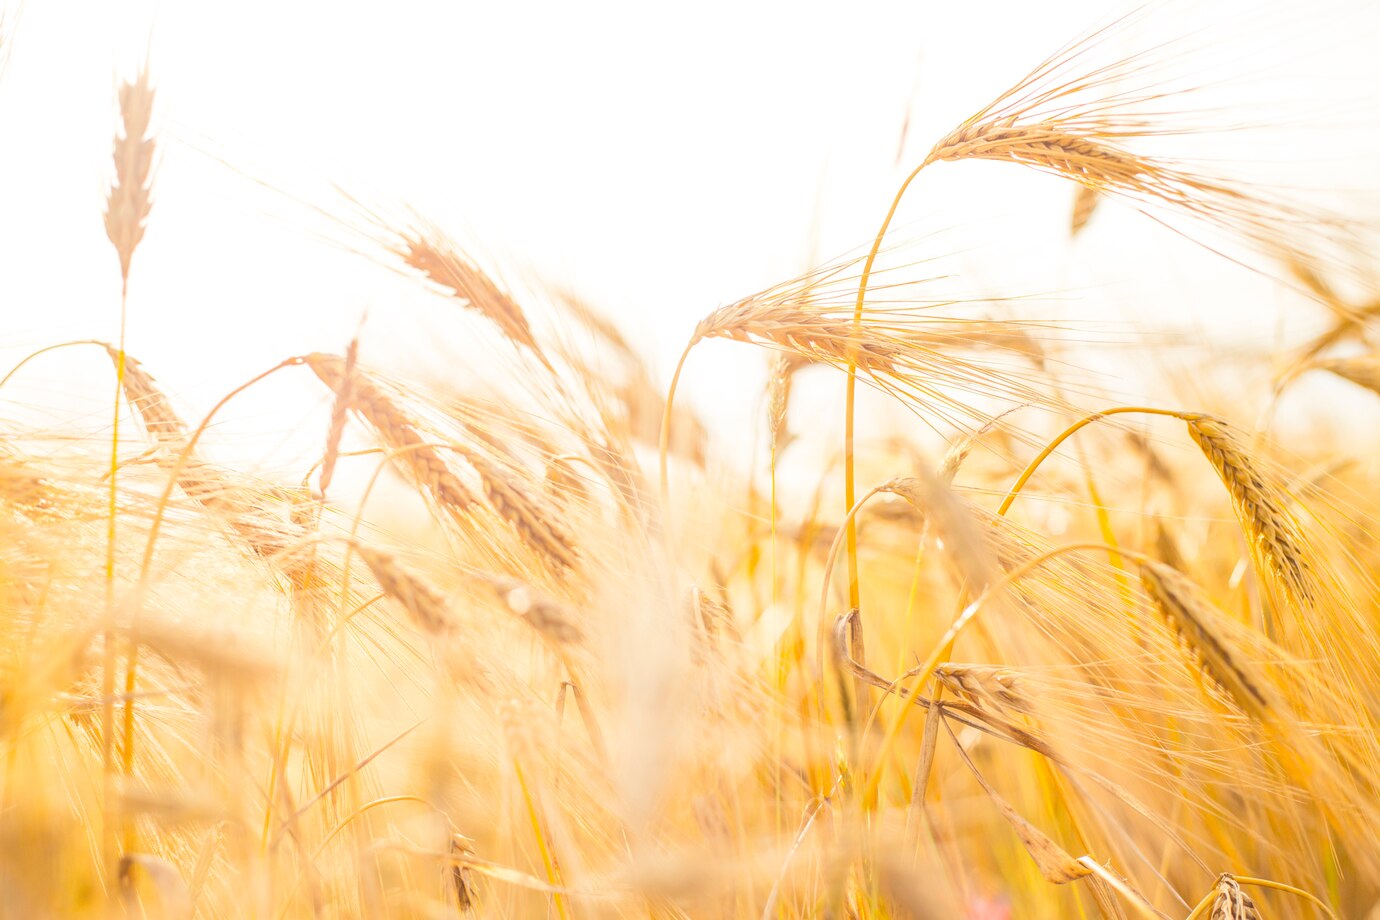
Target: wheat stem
pixel 1063 436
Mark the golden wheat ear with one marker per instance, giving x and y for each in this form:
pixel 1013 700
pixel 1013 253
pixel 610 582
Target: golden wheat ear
pixel 1276 538
pixel 422 462
pixel 130 197
pixel 1092 117
pixel 425 248
pixel 143 393
pixel 1178 601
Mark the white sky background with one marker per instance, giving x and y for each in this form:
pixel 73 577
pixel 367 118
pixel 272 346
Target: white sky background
pixel 660 160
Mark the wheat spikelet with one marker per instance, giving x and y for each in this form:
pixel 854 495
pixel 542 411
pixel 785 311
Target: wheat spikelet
pixel 1074 114
pixel 340 409
pixel 535 522
pixel 424 464
pixel 779 398
pixel 1043 145
pixel 1231 902
pixel 428 250
pixel 202 483
pixel 600 325
pixel 128 202
pixel 937 362
pixel 804 332
pixel 419 598
pixel 523 509
pixel 1274 535
pixel 1192 619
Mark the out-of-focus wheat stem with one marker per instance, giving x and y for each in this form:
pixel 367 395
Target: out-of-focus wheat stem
pixel 127 208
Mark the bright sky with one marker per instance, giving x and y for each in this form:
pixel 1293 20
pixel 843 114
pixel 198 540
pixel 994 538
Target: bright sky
pixel 659 160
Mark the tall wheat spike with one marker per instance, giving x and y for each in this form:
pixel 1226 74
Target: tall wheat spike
pixel 130 198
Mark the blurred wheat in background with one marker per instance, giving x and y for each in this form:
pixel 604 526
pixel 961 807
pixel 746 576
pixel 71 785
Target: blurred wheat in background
pixel 969 606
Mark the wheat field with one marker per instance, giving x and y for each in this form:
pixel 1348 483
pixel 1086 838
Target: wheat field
pixel 967 622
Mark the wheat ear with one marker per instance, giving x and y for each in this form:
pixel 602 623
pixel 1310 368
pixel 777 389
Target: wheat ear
pixel 428 250
pixel 340 410
pixel 129 200
pixel 1231 902
pixel 1275 536
pixel 1178 601
pixel 419 598
pixel 423 463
